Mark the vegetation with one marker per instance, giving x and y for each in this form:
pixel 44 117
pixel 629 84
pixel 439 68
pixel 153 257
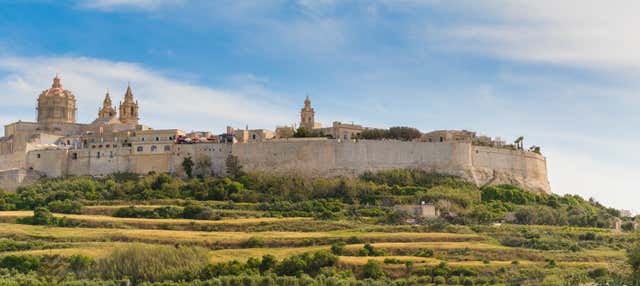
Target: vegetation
pixel 258 229
pixel 397 133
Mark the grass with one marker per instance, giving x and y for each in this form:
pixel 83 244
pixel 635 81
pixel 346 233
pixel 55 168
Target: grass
pixel 101 234
pixel 12 215
pixel 221 239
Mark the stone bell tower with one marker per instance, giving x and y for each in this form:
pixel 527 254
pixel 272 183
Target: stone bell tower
pixel 56 105
pixel 107 109
pixel 307 115
pixel 129 108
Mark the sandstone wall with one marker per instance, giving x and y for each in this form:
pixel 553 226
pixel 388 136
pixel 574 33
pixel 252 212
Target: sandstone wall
pixel 481 165
pixel 312 158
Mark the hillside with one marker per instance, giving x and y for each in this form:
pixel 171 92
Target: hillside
pixel 258 229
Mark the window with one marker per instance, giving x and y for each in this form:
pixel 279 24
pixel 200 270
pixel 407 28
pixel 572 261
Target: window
pixel 38 156
pixel 167 148
pixel 253 137
pixel 141 138
pixel 139 149
pixel 74 156
pixel 154 148
pixel 157 138
pixel 98 155
pixel 110 154
pixel 93 140
pixel 441 139
pixel 430 140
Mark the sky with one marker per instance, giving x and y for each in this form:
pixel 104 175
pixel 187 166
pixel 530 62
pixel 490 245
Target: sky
pixel 563 74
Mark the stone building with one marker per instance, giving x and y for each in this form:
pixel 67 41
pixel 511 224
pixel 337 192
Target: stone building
pixel 57 146
pixel 338 130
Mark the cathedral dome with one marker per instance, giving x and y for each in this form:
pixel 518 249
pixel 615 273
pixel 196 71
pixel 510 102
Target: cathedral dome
pixel 57 90
pixel 56 105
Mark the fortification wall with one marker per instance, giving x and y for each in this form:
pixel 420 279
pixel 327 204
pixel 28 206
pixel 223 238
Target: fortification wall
pixel 310 158
pixel 481 165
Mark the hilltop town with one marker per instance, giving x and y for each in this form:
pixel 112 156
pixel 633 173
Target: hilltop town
pixel 58 146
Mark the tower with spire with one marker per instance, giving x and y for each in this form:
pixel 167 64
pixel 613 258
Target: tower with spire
pixel 307 115
pixel 129 108
pixel 107 110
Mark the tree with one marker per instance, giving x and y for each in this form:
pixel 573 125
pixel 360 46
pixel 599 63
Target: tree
pixel 404 133
pixel 372 270
pixel 187 165
pixel 203 166
pixel 42 216
pixel 234 169
pixel 302 132
pixel 633 258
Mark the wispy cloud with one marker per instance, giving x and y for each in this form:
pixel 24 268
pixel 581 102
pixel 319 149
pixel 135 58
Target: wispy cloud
pixel 112 5
pixel 591 34
pixel 166 101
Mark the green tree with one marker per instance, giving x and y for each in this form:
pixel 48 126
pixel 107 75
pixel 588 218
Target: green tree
pixel 633 258
pixel 234 169
pixel 187 165
pixel 372 270
pixel 42 216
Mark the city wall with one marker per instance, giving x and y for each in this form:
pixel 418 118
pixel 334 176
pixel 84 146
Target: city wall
pixel 481 165
pixel 310 158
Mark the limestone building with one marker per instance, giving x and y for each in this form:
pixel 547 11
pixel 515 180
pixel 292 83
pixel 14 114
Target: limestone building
pixel 338 130
pixel 57 146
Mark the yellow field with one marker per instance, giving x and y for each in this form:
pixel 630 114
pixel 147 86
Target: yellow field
pixel 228 245
pixel 138 221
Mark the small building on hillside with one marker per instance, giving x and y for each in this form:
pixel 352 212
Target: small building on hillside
pixel 421 211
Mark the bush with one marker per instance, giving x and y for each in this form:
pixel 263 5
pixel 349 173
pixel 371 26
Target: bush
pixel 439 280
pixel 66 206
pixel 372 270
pixel 253 242
pixel 42 216
pixel 21 263
pixel 338 248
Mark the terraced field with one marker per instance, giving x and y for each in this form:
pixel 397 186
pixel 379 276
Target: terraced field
pixel 99 235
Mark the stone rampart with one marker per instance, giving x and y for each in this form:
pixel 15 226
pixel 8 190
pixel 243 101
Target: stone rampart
pixel 310 158
pixel 481 165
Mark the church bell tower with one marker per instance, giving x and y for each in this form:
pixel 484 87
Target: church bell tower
pixel 307 115
pixel 129 108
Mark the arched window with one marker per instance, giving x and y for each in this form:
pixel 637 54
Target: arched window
pixel 167 148
pixel 132 110
pixel 139 149
pixel 253 137
pixel 154 148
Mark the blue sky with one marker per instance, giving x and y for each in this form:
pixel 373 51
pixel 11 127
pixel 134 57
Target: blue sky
pixel 563 75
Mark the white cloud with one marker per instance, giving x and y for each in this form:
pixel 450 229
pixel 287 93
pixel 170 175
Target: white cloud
pixel 166 102
pixel 577 173
pixel 110 5
pixel 593 34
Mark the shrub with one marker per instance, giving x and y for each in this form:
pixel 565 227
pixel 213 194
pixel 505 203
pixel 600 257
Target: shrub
pixel 66 206
pixel 372 270
pixel 338 248
pixel 42 216
pixel 21 263
pixel 253 242
pixel 633 258
pixel 140 262
pixel 439 280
